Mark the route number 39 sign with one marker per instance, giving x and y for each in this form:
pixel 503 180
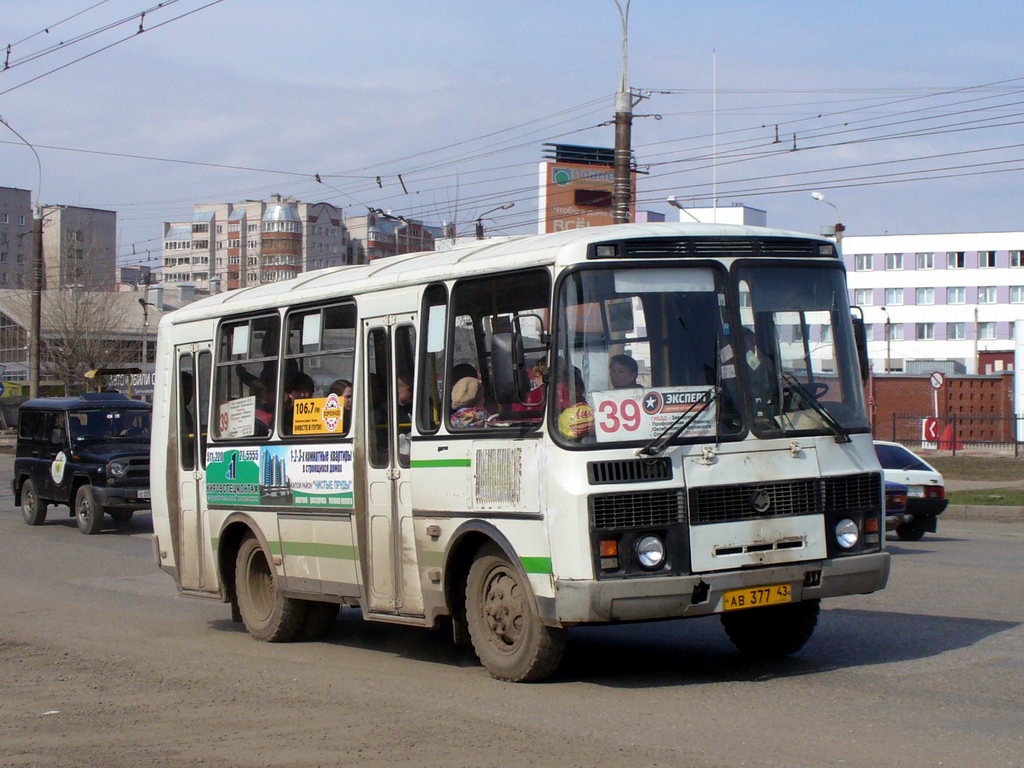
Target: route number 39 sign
pixel 643 414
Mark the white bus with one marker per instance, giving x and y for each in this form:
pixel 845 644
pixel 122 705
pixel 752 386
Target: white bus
pixel 617 424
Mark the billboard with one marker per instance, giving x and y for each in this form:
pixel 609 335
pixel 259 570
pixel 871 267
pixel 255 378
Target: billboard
pixel 576 195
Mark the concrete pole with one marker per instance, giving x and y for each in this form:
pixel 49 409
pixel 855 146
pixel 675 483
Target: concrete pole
pixel 35 325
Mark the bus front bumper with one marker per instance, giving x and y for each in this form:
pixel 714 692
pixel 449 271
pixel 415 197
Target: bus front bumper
pixel 590 602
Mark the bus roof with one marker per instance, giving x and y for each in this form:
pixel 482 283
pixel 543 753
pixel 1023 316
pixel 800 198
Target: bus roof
pixel 479 257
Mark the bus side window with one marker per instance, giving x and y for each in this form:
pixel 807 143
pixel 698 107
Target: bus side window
pixel 405 356
pixel 205 361
pixel 430 396
pixel 186 412
pixel 512 303
pixel 246 368
pixel 320 348
pixel 377 369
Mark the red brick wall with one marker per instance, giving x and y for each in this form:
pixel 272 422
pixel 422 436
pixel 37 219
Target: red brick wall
pixel 983 406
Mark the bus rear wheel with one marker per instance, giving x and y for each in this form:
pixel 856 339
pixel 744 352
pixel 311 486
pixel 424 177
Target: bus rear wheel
pixel 508 636
pixel 773 632
pixel 268 615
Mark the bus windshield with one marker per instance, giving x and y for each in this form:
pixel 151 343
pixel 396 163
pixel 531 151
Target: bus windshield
pixel 799 355
pixel 640 347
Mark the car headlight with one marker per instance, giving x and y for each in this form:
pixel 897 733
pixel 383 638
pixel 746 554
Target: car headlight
pixel 117 469
pixel 846 533
pixel 650 552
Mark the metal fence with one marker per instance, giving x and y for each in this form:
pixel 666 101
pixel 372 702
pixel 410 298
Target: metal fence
pixel 956 433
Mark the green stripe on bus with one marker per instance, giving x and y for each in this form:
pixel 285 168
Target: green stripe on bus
pixel 425 463
pixel 316 549
pixel 536 564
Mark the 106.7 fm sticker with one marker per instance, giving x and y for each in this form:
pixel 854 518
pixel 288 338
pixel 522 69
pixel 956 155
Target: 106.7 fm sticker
pixel 643 414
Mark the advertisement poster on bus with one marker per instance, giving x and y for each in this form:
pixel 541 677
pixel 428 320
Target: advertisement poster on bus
pixel 281 476
pixel 643 414
pixel 318 415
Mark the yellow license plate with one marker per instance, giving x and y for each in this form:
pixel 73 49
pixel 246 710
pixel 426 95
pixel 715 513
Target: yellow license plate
pixel 755 597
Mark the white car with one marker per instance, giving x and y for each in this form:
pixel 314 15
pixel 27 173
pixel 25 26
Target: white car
pixel 926 492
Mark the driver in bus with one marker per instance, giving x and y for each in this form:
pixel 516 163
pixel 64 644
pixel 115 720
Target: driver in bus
pixel 623 372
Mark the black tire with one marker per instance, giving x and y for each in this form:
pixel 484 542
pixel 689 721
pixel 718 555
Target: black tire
pixel 88 514
pixel 33 509
pixel 266 612
pixel 122 516
pixel 319 620
pixel 912 531
pixel 772 632
pixel 508 636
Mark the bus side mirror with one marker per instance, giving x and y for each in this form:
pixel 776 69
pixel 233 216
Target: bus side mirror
pixel 861 340
pixel 508 367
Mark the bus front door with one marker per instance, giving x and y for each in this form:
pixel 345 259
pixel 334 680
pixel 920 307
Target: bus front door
pixel 193 543
pixel 393 584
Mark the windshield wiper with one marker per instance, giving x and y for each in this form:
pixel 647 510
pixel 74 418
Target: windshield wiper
pixel 670 433
pixel 815 404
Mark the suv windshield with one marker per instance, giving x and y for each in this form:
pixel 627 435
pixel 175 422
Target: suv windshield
pixel 640 346
pixel 799 355
pixel 116 424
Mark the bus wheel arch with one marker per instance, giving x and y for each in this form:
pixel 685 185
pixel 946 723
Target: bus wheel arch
pixel 232 533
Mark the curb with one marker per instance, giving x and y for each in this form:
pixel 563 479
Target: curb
pixel 983 512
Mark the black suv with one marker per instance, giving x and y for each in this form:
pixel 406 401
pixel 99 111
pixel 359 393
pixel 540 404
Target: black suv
pixel 89 452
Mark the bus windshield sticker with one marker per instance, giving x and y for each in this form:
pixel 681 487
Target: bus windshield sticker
pixel 281 476
pixel 238 417
pixel 643 414
pixel 318 415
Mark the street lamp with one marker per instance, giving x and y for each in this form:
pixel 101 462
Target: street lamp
pixel 888 338
pixel 839 228
pixel 480 222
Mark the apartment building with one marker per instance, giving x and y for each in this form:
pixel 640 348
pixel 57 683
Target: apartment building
pixel 938 301
pixel 377 235
pixel 15 237
pixel 79 247
pixel 231 245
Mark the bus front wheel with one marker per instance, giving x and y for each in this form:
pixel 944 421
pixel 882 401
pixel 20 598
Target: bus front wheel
pixel 508 636
pixel 772 632
pixel 266 612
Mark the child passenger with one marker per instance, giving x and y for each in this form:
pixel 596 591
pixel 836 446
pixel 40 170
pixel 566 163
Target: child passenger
pixel 468 410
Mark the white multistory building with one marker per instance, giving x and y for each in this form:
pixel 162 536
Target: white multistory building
pixel 938 301
pixel 232 245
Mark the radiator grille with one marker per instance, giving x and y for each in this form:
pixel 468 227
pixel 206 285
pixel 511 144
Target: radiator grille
pixel 724 503
pixel 138 471
pixel 612 511
pixel 629 471
pixel 852 491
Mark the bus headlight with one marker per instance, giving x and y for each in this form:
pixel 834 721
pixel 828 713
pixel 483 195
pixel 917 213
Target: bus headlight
pixel 650 552
pixel 847 533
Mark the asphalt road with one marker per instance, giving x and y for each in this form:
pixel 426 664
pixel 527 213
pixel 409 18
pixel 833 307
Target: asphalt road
pixel 103 665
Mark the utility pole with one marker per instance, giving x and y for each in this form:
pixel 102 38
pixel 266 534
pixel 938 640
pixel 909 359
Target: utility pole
pixel 622 191
pixel 35 328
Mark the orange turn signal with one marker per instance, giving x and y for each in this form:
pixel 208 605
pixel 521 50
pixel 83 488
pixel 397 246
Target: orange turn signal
pixel 609 548
pixel 871 525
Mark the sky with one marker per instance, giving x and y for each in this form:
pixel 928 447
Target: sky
pixel 906 115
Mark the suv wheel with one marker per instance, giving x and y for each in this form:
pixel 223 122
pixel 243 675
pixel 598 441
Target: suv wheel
pixel 33 509
pixel 88 514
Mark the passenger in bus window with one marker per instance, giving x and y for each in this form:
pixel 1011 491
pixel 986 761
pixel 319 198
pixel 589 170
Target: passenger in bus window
pixel 622 372
pixel 468 410
pixel 403 402
pixel 264 413
pixel 464 370
pixel 298 387
pixel 343 389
